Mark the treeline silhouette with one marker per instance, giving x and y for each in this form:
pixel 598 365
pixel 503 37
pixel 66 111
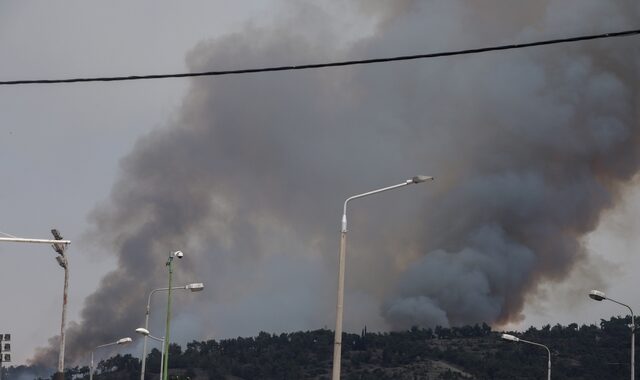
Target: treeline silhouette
pixel 468 352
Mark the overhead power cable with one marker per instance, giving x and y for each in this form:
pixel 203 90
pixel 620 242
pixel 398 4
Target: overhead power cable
pixel 329 64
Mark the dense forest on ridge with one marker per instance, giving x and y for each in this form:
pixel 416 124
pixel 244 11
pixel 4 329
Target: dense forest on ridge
pixel 466 352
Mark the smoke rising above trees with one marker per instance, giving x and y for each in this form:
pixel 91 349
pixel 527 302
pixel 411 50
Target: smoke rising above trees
pixel 529 148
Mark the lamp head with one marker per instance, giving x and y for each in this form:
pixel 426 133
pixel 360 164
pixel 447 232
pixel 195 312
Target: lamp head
pixel 510 337
pixel 195 287
pixel 143 331
pixel 58 247
pixel 420 179
pixel 597 295
pixel 124 340
pixel 56 234
pixel 62 261
pixel 178 254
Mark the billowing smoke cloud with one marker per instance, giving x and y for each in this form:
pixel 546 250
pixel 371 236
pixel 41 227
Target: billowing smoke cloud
pixel 529 147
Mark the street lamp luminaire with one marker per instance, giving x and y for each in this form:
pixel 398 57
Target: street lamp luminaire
pixel 146 334
pixel 601 296
pixel 516 339
pixel 194 287
pixel 120 341
pixel 337 345
pixel 165 363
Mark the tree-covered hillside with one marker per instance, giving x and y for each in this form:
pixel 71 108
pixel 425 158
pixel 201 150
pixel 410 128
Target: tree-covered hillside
pixel 469 352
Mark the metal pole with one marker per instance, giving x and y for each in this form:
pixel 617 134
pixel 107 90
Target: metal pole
pixel 633 345
pixel 633 336
pixel 59 245
pixel 549 366
pixel 337 345
pixel 44 241
pixel 1 355
pixel 120 341
pixel 168 322
pixel 91 367
pixel 64 317
pixel 162 358
pixel 146 327
pixel 161 350
pixel 548 352
pixel 144 346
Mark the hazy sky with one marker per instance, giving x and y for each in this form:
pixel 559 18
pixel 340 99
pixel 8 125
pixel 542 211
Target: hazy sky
pixel 61 148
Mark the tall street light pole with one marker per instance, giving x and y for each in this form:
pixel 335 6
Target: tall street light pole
pixel 64 263
pixel 600 296
pixel 194 287
pixel 146 334
pixel 59 245
pixel 337 346
pixel 120 341
pixel 169 264
pixel 516 339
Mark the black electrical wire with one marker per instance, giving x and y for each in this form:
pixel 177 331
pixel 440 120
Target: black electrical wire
pixel 330 64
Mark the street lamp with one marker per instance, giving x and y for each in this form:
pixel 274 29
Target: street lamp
pixel 337 346
pixel 59 245
pixel 516 339
pixel 169 264
pixel 64 263
pixel 194 287
pixel 120 341
pixel 146 334
pixel 600 296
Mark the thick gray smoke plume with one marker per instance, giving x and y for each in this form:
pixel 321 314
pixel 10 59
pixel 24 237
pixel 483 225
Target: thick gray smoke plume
pixel 528 147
